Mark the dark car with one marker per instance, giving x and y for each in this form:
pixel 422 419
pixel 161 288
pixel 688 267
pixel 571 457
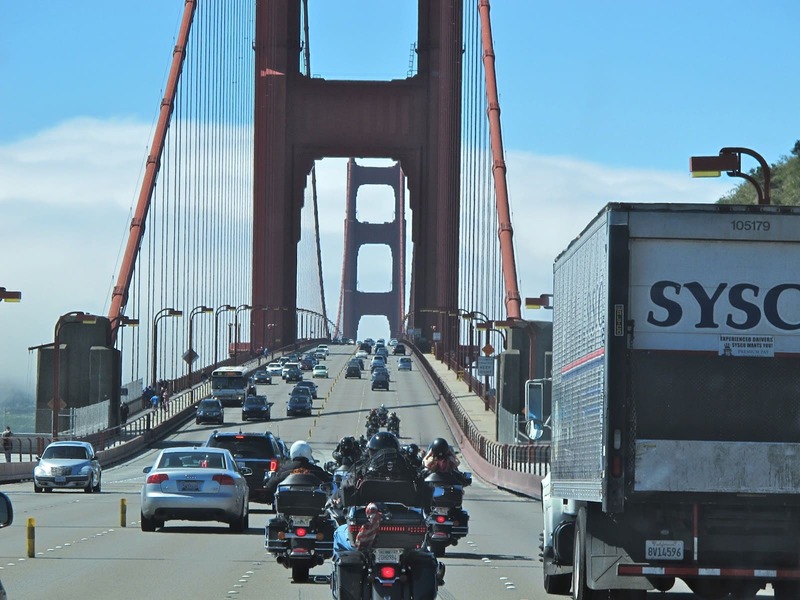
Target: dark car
pixel 307 364
pixel 380 380
pixel 399 349
pixel 263 453
pixel 262 378
pixel 312 387
pixel 353 370
pixel 300 402
pixel 294 374
pixel 256 407
pixel 210 410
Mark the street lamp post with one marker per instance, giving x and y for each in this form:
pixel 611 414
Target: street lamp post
pixel 236 312
pixel 75 316
pixel 164 312
pixel 730 161
pixel 191 355
pixel 216 329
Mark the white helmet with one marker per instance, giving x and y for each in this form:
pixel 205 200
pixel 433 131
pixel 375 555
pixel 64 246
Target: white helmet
pixel 301 449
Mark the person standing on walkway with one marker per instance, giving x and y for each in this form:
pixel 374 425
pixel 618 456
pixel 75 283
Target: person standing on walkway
pixel 7 443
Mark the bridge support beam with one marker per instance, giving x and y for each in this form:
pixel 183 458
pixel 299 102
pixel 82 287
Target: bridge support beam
pixel 415 121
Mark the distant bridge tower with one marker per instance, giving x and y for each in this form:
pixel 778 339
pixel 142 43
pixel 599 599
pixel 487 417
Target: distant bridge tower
pixel 357 234
pixel 415 121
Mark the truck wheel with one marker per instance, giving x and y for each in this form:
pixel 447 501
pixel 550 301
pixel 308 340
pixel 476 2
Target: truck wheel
pixel 708 589
pixel 581 591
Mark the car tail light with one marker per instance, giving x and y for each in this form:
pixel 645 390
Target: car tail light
pixel 441 518
pixel 301 532
pixel 157 478
pixel 223 479
pixel 388 572
pixel 273 465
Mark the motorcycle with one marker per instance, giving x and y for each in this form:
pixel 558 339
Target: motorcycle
pixel 393 424
pixel 383 416
pixel 446 520
pixel 373 425
pixel 391 567
pixel 301 534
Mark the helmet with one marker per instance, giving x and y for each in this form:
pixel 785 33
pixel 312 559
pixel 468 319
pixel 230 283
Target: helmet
pixel 347 443
pixel 439 447
pixel 383 440
pixel 301 449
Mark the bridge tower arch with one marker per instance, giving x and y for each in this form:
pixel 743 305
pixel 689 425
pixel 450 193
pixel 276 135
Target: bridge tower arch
pixel 415 121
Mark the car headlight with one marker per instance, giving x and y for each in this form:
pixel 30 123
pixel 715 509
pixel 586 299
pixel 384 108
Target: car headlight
pixel 40 471
pixel 86 469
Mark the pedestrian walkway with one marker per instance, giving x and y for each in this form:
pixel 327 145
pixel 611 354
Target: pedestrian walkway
pixel 484 419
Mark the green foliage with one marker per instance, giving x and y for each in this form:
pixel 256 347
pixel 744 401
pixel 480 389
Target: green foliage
pixel 785 183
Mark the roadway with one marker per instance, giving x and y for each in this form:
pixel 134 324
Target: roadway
pixel 82 552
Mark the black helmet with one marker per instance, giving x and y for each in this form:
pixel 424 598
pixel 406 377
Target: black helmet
pixel 439 447
pixel 348 443
pixel 383 440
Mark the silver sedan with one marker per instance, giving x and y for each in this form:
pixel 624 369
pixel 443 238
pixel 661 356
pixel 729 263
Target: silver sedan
pixel 195 484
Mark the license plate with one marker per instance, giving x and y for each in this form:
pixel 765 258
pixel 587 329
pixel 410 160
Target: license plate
pixel 189 486
pixel 387 555
pixel 664 549
pixel 60 479
pixel 301 521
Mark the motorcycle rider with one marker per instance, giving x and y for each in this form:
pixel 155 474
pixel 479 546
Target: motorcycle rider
pixel 393 423
pixel 440 458
pixel 383 415
pixel 347 452
pixel 373 422
pixel 302 461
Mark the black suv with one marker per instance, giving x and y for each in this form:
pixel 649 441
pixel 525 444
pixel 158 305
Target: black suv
pixel 264 453
pixel 353 370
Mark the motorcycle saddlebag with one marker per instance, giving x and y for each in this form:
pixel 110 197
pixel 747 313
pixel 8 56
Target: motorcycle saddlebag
pixel 423 567
pixel 450 496
pixel 348 576
pixel 274 527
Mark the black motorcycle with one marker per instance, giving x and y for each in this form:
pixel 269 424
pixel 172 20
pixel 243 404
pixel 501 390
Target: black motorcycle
pixel 301 534
pixel 392 566
pixel 373 425
pixel 446 520
pixel 393 424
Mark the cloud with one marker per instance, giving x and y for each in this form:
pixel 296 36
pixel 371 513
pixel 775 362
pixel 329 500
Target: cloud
pixel 68 193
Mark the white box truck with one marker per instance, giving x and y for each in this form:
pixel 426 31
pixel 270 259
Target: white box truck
pixel 676 404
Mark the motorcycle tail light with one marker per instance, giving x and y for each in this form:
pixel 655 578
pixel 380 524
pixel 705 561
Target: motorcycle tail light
pixel 441 518
pixel 273 465
pixel 388 572
pixel 320 536
pixel 301 532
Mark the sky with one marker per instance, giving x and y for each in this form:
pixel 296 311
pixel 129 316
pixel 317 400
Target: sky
pixel 601 102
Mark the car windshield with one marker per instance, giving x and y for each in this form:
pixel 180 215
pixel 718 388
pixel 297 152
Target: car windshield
pixel 209 404
pixel 255 401
pixel 191 460
pixel 66 452
pixel 298 399
pixel 244 446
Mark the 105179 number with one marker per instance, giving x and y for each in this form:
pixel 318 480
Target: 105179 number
pixel 740 225
pixel 664 549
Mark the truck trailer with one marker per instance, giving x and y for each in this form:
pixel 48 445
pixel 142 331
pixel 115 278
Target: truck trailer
pixel 676 404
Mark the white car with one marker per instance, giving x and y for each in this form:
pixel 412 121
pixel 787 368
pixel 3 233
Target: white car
pixel 68 465
pixel 320 371
pixel 287 366
pixel 275 369
pixel 195 484
pixel 362 354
